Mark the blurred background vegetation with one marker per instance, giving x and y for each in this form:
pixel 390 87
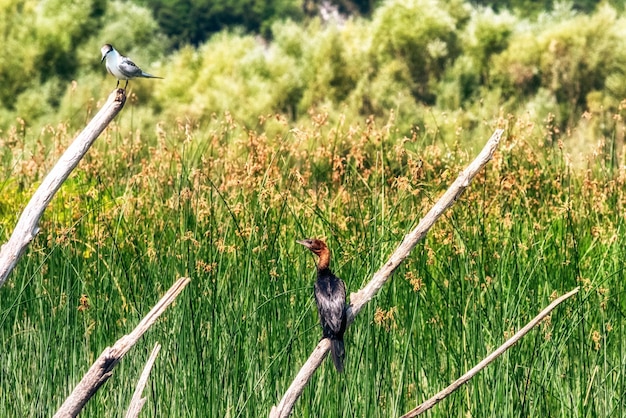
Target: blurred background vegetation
pixel 417 58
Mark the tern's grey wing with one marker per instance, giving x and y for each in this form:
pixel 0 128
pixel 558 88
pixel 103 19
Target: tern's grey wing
pixel 129 68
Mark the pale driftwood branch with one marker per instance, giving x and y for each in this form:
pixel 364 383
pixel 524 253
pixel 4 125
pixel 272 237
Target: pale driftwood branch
pixel 102 369
pixel 137 402
pixel 490 358
pixel 28 225
pixel 360 298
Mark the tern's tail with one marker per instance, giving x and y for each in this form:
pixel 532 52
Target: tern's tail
pixel 146 75
pixel 338 353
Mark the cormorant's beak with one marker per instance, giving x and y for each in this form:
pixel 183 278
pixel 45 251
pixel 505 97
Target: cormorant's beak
pixel 304 242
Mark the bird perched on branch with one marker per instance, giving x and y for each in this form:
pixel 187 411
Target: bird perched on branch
pixel 120 66
pixel 330 296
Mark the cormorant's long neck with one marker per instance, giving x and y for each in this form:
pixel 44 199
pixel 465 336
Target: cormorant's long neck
pixel 324 260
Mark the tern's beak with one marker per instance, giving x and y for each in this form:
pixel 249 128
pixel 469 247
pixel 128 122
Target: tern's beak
pixel 103 57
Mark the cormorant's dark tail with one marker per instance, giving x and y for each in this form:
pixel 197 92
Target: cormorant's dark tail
pixel 338 353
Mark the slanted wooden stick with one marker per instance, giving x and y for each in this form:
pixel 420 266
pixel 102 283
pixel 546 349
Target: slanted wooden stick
pixel 136 403
pixel 490 358
pixel 28 225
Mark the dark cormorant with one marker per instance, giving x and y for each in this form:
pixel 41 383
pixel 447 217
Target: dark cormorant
pixel 330 296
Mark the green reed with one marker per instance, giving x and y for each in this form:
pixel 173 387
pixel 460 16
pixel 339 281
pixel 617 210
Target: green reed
pixel 224 206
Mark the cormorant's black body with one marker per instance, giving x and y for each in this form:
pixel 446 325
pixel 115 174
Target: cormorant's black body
pixel 330 296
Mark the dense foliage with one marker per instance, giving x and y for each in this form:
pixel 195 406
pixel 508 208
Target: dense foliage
pixel 533 7
pixel 193 21
pixel 412 58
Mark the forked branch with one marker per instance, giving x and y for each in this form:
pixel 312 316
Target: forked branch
pixel 360 298
pixel 102 369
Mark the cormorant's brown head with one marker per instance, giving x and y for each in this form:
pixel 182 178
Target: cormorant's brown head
pixel 315 245
pixel 319 248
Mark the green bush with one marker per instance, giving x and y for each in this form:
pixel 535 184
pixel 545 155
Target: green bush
pixel 569 59
pixel 230 73
pixel 421 33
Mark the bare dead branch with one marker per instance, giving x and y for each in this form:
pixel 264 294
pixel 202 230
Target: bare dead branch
pixel 102 369
pixel 28 225
pixel 136 403
pixel 487 360
pixel 360 298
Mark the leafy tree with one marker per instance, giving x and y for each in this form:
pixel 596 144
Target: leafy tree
pixel 348 7
pixel 193 21
pixel 567 59
pixel 423 35
pixel 534 7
